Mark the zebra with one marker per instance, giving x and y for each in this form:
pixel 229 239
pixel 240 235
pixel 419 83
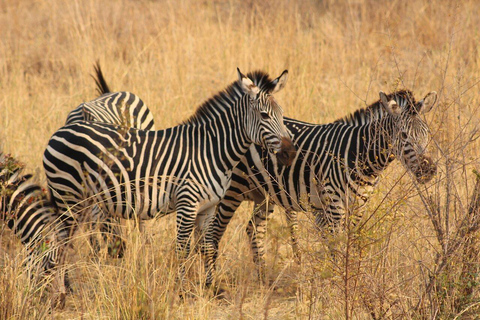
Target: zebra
pixel 133 173
pixel 336 167
pixel 27 211
pixel 120 108
pixel 25 206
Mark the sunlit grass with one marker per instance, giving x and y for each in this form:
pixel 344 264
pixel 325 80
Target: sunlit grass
pixel 175 55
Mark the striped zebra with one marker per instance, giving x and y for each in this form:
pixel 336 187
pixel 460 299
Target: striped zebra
pixel 27 211
pixel 25 207
pixel 337 166
pixel 130 173
pixel 119 108
pixel 122 108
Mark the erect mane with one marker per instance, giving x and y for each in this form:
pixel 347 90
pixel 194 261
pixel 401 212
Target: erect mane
pixel 375 110
pixel 229 95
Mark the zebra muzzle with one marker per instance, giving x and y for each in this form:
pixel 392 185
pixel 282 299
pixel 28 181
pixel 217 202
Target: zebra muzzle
pixel 426 170
pixel 287 152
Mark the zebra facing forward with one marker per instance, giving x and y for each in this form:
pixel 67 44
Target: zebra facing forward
pixel 135 173
pixel 336 167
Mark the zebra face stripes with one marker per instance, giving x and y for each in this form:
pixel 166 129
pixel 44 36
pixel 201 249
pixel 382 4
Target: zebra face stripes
pixel 267 115
pixel 336 168
pixel 186 168
pixel 410 133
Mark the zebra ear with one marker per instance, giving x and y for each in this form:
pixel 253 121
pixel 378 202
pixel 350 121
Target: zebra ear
pixel 280 82
pixel 247 85
pixel 428 102
pixel 390 105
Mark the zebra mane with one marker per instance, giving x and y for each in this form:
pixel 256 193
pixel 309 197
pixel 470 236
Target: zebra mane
pixel 229 95
pixel 375 111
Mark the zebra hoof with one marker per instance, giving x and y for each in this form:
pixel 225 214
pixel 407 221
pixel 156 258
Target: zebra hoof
pixel 297 258
pixel 220 292
pixel 58 301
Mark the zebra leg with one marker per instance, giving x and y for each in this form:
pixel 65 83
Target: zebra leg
pixel 293 226
pixel 65 230
pixel 97 218
pixel 203 219
pixel 256 230
pixel 186 214
pixel 111 233
pixel 215 229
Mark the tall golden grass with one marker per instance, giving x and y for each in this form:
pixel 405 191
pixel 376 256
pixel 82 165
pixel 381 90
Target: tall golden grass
pixel 176 54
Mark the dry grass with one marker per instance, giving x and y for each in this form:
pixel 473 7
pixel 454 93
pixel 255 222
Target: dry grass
pixel 176 54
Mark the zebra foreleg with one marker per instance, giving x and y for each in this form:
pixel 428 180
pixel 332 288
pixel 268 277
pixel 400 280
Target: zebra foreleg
pixel 256 230
pixel 214 233
pixel 185 223
pixel 292 222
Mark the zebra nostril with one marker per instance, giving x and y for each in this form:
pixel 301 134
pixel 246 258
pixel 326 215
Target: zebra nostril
pixel 287 153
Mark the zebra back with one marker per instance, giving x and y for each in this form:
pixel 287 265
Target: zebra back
pixel 121 108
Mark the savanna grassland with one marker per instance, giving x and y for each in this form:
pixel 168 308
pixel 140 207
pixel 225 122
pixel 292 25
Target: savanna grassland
pixel 415 254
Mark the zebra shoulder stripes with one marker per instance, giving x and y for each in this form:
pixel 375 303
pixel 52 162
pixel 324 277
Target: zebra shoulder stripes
pixel 336 167
pixel 187 168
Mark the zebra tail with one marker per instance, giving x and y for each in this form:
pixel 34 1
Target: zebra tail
pixel 102 86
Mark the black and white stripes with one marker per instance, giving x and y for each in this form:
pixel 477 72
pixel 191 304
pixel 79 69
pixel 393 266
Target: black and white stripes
pixel 129 172
pixel 122 108
pixel 26 209
pixel 336 167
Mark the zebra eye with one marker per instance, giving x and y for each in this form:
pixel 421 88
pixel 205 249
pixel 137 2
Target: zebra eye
pixel 403 135
pixel 265 115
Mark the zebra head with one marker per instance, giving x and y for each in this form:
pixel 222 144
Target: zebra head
pixel 410 133
pixel 26 210
pixel 264 118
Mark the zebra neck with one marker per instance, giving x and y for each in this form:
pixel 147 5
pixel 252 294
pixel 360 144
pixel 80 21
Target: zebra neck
pixel 226 136
pixel 377 148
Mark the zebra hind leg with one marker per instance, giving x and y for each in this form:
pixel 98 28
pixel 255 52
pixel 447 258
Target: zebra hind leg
pixel 111 234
